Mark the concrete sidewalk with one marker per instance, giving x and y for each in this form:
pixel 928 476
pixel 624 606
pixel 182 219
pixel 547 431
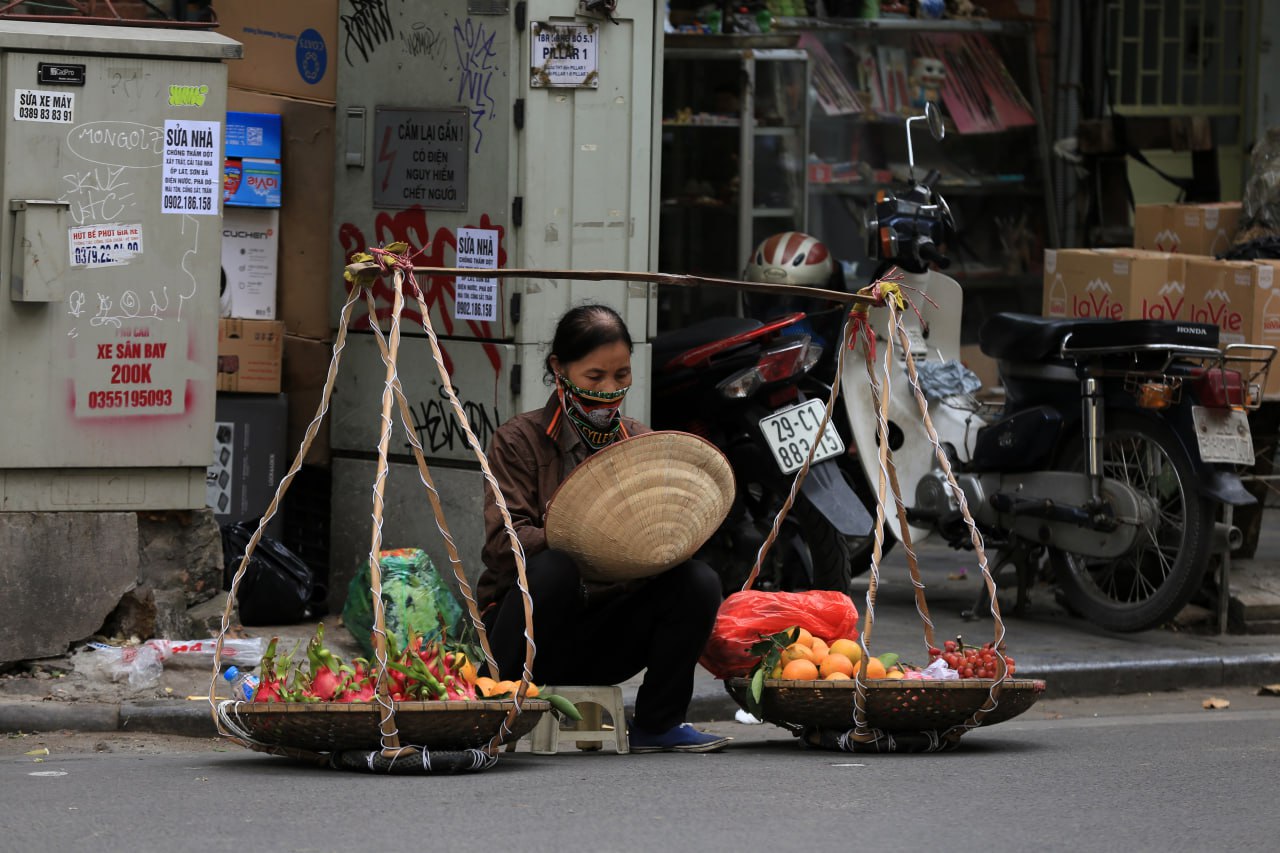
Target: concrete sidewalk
pixel 1074 658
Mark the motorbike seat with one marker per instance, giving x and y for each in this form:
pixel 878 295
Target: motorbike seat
pixel 1026 337
pixel 1029 337
pixel 669 345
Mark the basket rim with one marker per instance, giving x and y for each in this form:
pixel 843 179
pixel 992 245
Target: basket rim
pixel 417 706
pixel 900 683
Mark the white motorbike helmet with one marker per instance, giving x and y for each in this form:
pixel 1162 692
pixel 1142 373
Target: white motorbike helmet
pixel 791 258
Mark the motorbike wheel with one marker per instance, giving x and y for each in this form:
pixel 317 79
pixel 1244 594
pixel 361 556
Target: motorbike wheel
pixel 829 550
pixel 1148 586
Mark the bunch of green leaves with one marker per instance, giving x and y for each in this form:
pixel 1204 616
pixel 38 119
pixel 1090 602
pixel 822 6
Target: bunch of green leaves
pixel 769 651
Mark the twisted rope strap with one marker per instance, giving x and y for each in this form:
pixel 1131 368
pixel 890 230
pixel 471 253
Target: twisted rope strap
pixel 433 496
pixel 393 754
pixel 845 332
pixel 393 757
pixel 863 737
pixel 220 719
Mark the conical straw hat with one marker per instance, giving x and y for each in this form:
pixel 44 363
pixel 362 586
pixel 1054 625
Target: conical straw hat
pixel 641 506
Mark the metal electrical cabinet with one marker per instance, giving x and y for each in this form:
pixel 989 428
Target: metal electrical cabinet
pixel 109 264
pixel 487 133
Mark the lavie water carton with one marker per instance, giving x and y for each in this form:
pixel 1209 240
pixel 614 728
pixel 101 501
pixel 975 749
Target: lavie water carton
pixel 1114 284
pixel 1241 298
pixel 1188 229
pixel 252 171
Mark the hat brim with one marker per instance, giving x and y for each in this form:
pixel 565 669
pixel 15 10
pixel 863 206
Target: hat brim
pixel 641 505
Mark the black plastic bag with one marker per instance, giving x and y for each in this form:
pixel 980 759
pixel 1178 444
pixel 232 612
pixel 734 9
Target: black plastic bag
pixel 278 588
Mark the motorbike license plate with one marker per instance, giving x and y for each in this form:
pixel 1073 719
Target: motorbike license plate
pixel 1223 435
pixel 791 432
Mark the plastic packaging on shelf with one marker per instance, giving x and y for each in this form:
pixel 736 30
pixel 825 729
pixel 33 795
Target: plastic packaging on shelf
pixel 243 684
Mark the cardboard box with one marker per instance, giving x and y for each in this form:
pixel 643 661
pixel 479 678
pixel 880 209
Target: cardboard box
pixel 986 368
pixel 306 366
pixel 1188 229
pixel 290 46
pixel 250 355
pixel 252 174
pixel 1242 298
pixel 249 458
pixel 305 285
pixel 250 251
pixel 1123 284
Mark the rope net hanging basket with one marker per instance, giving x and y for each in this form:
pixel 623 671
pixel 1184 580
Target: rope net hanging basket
pixel 641 505
pixel 415 709
pixel 883 714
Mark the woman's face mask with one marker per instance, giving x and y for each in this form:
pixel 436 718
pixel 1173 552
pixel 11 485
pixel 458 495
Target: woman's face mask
pixel 593 413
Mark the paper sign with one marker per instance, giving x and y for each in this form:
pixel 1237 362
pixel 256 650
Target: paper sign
pixel 192 178
pixel 476 298
pixel 104 245
pixel 564 55
pixel 35 105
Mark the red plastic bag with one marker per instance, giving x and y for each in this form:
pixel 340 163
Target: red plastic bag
pixel 747 616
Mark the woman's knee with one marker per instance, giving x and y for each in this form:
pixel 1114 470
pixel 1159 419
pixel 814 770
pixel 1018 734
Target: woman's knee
pixel 699 588
pixel 553 576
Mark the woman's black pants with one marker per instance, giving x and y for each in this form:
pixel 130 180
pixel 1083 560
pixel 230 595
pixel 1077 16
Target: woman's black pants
pixel 659 626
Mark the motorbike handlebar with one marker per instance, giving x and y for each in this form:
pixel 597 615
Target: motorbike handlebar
pixel 929 252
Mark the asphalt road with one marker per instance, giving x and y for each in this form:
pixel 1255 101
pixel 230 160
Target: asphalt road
pixel 1134 773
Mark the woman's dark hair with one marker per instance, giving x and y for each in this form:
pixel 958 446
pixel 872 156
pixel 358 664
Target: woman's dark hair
pixel 583 329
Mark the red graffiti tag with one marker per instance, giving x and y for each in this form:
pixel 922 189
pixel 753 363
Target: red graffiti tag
pixel 410 226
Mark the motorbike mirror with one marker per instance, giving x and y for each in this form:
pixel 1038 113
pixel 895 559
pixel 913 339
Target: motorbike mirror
pixel 933 118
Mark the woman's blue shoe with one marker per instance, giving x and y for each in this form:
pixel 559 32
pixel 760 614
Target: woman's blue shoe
pixel 681 738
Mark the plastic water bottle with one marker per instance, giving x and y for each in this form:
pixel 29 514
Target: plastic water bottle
pixel 243 684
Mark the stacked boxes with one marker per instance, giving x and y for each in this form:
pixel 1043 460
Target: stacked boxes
pixel 1185 282
pixel 278 227
pixel 249 444
pixel 304 286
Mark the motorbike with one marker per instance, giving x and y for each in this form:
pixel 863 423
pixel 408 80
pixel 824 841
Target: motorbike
pixel 735 382
pixel 1107 467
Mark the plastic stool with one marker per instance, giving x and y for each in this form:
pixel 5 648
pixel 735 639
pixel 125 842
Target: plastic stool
pixel 590 732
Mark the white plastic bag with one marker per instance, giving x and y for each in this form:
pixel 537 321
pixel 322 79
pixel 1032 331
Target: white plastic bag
pixel 940 671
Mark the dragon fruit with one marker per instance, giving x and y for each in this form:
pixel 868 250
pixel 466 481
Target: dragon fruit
pixel 327 672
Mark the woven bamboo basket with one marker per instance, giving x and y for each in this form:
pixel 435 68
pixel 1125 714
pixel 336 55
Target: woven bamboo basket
pixel 337 727
pixel 894 705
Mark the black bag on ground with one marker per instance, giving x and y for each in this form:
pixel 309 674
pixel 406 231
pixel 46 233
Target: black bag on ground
pixel 278 588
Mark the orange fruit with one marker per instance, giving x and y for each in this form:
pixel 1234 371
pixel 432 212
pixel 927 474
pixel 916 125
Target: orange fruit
pixel 507 687
pixel 795 651
pixel 805 638
pixel 800 670
pixel 820 650
pixel 875 669
pixel 776 672
pixel 896 673
pixel 485 685
pixel 848 648
pixel 835 676
pixel 836 663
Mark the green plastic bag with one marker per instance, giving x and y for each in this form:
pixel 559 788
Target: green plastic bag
pixel 414 597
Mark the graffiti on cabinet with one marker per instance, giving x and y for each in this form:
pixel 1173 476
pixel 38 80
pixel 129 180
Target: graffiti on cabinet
pixel 411 227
